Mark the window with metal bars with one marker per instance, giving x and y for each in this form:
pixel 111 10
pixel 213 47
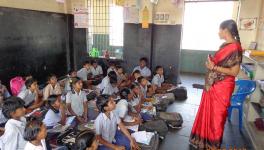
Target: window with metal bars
pixel 105 31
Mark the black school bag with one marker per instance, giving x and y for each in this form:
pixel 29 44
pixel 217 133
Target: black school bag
pixel 157 126
pixel 173 119
pixel 180 93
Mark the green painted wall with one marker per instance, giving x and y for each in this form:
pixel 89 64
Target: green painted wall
pixel 193 61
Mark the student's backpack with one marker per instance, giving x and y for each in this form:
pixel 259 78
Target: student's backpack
pixel 173 119
pixel 158 126
pixel 153 145
pixel 16 84
pixel 180 93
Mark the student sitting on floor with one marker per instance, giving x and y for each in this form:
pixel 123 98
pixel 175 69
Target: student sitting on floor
pixel 134 76
pixel 3 91
pixel 14 111
pixel 138 98
pixel 84 72
pixel 129 118
pixel 143 84
pixel 144 70
pixel 97 71
pixel 71 74
pixel 76 101
pixel 112 67
pixel 53 87
pixel 35 133
pixel 86 140
pixel 122 80
pixel 56 113
pixel 25 78
pixel 109 84
pixel 106 127
pixel 158 81
pixel 30 96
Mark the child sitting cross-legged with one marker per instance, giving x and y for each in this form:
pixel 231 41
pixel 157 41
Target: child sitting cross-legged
pixel 106 127
pixel 56 113
pixel 129 118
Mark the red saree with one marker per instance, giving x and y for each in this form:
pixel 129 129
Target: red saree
pixel 208 127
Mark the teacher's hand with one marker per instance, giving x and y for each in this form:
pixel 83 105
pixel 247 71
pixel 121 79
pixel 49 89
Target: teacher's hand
pixel 209 64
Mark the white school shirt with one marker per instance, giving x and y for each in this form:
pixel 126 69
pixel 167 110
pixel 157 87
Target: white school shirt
pixel 158 80
pixel 27 96
pixel 106 127
pixel 121 110
pixel 145 72
pixel 51 118
pixel 67 87
pixel 49 90
pixel 12 139
pixel 76 100
pixel 2 117
pixel 83 73
pixel 30 146
pixel 106 88
pixel 96 71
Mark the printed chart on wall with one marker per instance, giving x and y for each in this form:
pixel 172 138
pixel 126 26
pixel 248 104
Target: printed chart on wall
pixel 80 16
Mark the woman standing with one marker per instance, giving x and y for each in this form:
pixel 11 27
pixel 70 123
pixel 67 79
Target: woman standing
pixel 223 67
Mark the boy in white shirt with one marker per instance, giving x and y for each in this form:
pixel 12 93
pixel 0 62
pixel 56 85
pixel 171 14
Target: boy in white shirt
pixel 158 81
pixel 109 84
pixel 35 133
pixel 30 96
pixel 53 87
pixel 14 111
pixel 97 71
pixel 144 70
pixel 84 72
pixel 106 127
pixel 130 119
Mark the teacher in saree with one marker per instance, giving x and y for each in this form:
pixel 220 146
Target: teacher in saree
pixel 223 67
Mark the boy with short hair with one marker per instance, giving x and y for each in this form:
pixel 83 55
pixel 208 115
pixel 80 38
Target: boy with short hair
pixel 106 127
pixel 14 111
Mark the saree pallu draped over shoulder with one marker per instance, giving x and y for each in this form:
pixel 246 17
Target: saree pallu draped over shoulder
pixel 208 127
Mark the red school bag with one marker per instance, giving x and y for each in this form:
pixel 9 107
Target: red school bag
pixel 16 84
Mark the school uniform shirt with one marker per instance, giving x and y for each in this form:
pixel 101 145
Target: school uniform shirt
pixel 145 72
pixel 27 96
pixel 50 90
pixel 106 127
pixel 2 117
pixel 96 71
pixel 12 139
pixel 76 100
pixel 158 80
pixel 83 73
pixel 106 88
pixel 51 118
pixel 121 110
pixel 30 146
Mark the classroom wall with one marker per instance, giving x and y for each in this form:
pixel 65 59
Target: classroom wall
pixel 249 9
pixel 260 32
pixel 39 5
pixel 160 43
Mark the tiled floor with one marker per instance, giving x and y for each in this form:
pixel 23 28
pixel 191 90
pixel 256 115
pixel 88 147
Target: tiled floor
pixel 179 139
